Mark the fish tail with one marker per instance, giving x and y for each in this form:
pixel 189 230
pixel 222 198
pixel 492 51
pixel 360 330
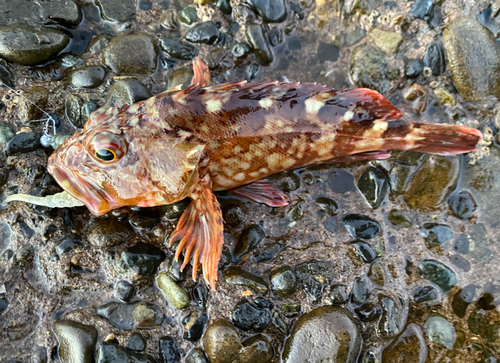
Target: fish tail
pixel 431 138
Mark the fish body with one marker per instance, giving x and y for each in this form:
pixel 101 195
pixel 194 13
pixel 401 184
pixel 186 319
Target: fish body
pixel 203 139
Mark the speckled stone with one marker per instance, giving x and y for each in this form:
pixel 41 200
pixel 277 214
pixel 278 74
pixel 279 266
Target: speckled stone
pixel 76 341
pixel 408 347
pixel 221 342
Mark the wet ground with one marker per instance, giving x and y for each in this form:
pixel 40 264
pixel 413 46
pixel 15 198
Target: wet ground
pixel 382 261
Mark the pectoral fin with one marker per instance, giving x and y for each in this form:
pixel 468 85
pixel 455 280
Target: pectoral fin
pixel 200 230
pixel 201 73
pixel 262 191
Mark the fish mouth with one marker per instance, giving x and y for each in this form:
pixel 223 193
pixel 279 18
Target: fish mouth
pixel 96 198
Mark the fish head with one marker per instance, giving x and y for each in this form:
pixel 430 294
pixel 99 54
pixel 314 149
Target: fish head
pixel 124 159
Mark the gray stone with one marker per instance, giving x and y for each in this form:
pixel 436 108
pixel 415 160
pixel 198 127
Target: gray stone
pixel 32 103
pixel 440 331
pixel 86 77
pixel 117 10
pixel 131 54
pixel 76 341
pixel 38 12
pixel 327 333
pixel 27 45
pixel 438 273
pixel 129 316
pixel 221 342
pixel 239 277
pixel 111 353
pixel 126 92
pixel 261 49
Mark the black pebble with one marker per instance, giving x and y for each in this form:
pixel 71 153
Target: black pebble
pixel 124 290
pixel 424 293
pixel 23 142
pixel 247 316
pixel 169 350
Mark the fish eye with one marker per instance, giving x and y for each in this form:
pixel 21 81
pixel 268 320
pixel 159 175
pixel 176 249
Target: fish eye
pixel 106 146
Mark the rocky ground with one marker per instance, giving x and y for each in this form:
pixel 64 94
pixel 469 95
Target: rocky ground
pixel 383 261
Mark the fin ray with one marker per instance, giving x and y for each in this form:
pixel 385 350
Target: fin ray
pixel 262 191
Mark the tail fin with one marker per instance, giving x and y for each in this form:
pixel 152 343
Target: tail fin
pixel 433 138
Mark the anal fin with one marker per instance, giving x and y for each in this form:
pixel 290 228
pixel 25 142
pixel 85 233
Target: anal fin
pixel 262 191
pixel 369 155
pixel 200 230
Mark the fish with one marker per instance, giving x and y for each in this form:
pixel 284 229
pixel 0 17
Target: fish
pixel 206 138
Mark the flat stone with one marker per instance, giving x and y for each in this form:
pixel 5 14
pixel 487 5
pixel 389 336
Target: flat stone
pixel 76 341
pixel 39 12
pixel 131 54
pixel 327 333
pixel 23 142
pixel 239 277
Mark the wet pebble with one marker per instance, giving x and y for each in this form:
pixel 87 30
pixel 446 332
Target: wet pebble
pixel 188 15
pixel 126 92
pixel 414 69
pixel 131 54
pixel 283 281
pixel 4 304
pixel 275 36
pixel 124 290
pixel 203 33
pixel 117 10
pixel 425 293
pixel 314 276
pixel 361 290
pixel 86 77
pixel 177 50
pixel 32 103
pixel 365 251
pixel 359 226
pixel 28 45
pixel 386 40
pixel 73 110
pixel 76 341
pixel 129 316
pixel 339 294
pixel 473 58
pixel 247 316
pixel 373 184
pixel 67 244
pixel 237 276
pixel 136 342
pixel 6 133
pixel 250 237
pixel 194 324
pixel 462 244
pixel 437 273
pixel 440 331
pixel 222 342
pixel 422 9
pixel 369 68
pixel 462 299
pixel 23 142
pixel 271 11
pixel 109 233
pixel 462 205
pixel 367 312
pixel 143 258
pixel 261 49
pixel 256 349
pixel 196 355
pixel 234 211
pixel 435 234
pixel 327 333
pixel 408 347
pixel 392 316
pixel 240 50
pixel 173 292
pixel 181 77
pixel 328 52
pixel 112 353
pixel 477 321
pixel 434 59
pixel 169 350
pixel 399 218
pixel 291 310
pixel 327 205
pixel 355 36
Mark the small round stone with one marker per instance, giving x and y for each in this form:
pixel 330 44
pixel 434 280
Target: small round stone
pixel 222 342
pixel 143 258
pixel 129 316
pixel 425 293
pixel 440 331
pixel 250 238
pixel 339 294
pixel 283 281
pixel 194 324
pixel 23 142
pixel 249 317
pixel 86 77
pixel 126 92
pixel 437 273
pixel 136 342
pixel 124 290
pixel 359 226
pixel 203 33
pixel 131 54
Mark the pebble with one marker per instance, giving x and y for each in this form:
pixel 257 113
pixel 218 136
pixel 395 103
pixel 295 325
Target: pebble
pixel 65 12
pixel 249 239
pixel 422 9
pixel 188 15
pixel 434 59
pixel 86 77
pixel 365 251
pixel 240 50
pixel 477 321
pixel 112 353
pixel 73 111
pixel 339 294
pixel 369 68
pixel 275 36
pixel 425 293
pixel 194 324
pixel 124 290
pixel 414 69
pixel 109 232
pixel 6 133
pixel 237 276
pixel 462 244
pixel 355 36
pixel 378 273
pixel 408 347
pixel 32 103
pixel 359 226
pixel 131 54
pixel 143 258
pixel 67 244
pixel 271 11
pixel 473 58
pixel 130 316
pixel 117 10
pixel 283 281
pixel 437 273
pixel 76 341
pixel 256 349
pixel 314 276
pixel 234 211
pixel 173 292
pixel 136 342
pixel 222 342
pixel 23 142
pixel 177 50
pixel 290 310
pixel 203 33
pixel 392 317
pixel 436 234
pixel 440 331
pixel 328 52
pixel 399 218
pixel 361 290
pixel 259 43
pixel 462 299
pixel 246 316
pixel 126 92
pixel 373 184
pixel 196 355
pixel 27 45
pixel 199 294
pixel 327 205
pixel 368 312
pixel 327 333
pixel 462 205
pixel 4 304
pixel 388 41
pixel 169 350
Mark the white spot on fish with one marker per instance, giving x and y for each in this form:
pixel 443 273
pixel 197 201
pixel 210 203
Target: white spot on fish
pixel 348 115
pixel 313 105
pixel 214 106
pixel 274 160
pixel 288 163
pixel 237 149
pixel 240 176
pixel 266 103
